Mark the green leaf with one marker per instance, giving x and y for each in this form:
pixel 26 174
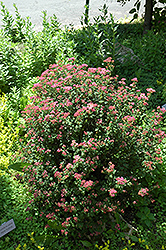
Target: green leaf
pixel 144 217
pixel 134 238
pixel 150 216
pixel 148 223
pixel 139 214
pixel 47 239
pixel 86 243
pixel 135 16
pixel 138 6
pixel 117 217
pixel 18 166
pixel 145 210
pixel 133 10
pixel 54 225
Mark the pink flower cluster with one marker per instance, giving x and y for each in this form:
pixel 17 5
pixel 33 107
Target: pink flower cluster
pixel 121 180
pixel 112 192
pixel 143 191
pixel 87 184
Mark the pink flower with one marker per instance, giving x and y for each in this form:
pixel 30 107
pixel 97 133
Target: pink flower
pixel 121 180
pixel 75 218
pixel 143 191
pixel 87 184
pixel 85 209
pixel 111 166
pixel 92 70
pixel 71 59
pixel 129 118
pixel 77 176
pixel 111 107
pixel 109 59
pixel 150 90
pixel 112 192
pixel 134 80
pixel 76 158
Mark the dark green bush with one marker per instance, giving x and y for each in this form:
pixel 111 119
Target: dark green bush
pixel 151 69
pixel 95 42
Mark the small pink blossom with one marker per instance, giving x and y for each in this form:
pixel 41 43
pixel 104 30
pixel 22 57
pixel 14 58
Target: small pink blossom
pixel 71 59
pixel 143 191
pixel 112 192
pixel 77 176
pixel 109 59
pixel 76 219
pixel 150 90
pixel 121 180
pixel 134 80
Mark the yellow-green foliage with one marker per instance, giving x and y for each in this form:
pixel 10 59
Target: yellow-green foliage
pixel 106 247
pixel 8 135
pixel 33 241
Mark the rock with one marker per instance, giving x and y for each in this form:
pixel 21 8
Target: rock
pixel 125 54
pixel 164 106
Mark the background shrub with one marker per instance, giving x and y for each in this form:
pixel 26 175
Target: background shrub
pixel 92 148
pixel 25 54
pixel 151 70
pixel 8 136
pixel 94 42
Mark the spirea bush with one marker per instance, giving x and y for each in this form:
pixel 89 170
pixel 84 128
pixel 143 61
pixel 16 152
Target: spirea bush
pixel 92 147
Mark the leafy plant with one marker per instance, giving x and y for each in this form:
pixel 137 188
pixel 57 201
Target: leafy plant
pixel 26 54
pixel 18 29
pixel 95 42
pixel 150 49
pixel 145 216
pixel 91 147
pixel 8 136
pixel 13 197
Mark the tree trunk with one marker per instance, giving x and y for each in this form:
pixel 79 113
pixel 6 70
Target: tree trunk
pixel 148 15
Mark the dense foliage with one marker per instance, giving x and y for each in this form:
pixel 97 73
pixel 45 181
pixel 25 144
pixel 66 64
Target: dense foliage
pixel 8 135
pixel 94 143
pixel 92 149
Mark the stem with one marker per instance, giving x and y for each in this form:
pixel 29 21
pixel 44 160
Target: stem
pixel 86 11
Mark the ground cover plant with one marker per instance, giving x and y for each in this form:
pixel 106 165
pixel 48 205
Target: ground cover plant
pixel 13 196
pixel 24 55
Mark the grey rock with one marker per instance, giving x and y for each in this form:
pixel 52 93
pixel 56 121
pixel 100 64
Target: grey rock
pixel 164 106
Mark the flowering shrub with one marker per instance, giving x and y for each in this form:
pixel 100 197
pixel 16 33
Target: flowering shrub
pixel 92 149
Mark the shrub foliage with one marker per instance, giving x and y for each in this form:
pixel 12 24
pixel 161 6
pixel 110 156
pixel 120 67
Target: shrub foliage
pixel 8 135
pixel 92 148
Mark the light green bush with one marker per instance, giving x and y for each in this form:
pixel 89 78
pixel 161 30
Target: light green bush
pixel 8 136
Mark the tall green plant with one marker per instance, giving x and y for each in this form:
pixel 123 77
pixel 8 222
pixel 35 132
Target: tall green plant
pixel 18 29
pixel 95 42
